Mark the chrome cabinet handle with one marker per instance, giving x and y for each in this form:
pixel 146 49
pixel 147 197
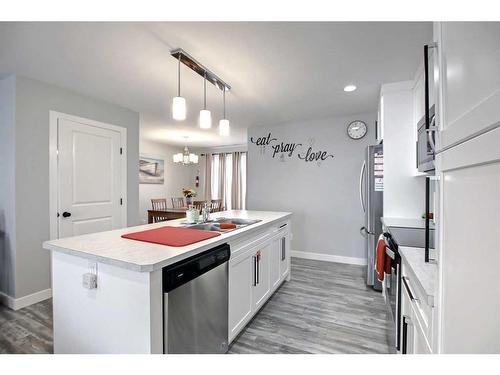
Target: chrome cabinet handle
pixel 407 287
pixel 361 175
pixel 283 251
pixel 254 271
pixel 258 270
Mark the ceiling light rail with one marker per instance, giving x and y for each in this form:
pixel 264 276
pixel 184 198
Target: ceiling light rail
pixel 190 62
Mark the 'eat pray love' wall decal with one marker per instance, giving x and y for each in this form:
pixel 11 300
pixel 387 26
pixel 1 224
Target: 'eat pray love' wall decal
pixel 284 150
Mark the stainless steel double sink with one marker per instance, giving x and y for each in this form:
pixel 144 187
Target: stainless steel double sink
pixel 214 225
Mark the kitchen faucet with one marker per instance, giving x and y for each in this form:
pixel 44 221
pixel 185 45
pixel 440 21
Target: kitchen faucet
pixel 205 212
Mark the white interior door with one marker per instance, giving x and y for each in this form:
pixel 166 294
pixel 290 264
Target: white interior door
pixel 89 178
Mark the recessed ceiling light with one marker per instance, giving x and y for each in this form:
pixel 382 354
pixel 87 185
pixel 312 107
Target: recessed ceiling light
pixel 349 88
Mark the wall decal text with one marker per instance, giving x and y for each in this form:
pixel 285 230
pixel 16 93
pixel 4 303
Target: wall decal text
pixel 281 150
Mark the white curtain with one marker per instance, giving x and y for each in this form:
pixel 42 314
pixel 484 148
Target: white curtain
pixel 227 179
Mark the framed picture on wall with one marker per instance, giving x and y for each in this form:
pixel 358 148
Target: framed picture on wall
pixel 151 170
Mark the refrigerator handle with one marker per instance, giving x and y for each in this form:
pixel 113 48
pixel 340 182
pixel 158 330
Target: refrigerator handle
pixel 361 175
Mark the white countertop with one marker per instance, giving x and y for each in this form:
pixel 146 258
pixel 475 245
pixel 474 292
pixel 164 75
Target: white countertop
pixel 425 273
pixel 402 222
pixel 109 247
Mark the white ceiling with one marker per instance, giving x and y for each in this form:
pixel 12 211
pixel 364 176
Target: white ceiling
pixel 279 71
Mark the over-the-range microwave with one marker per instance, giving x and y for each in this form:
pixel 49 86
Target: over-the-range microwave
pixel 426 143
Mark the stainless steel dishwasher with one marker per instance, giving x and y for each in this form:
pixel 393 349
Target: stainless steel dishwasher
pixel 195 303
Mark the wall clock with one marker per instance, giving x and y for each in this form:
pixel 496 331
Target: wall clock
pixel 357 129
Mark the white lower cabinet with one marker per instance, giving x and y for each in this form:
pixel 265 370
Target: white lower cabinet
pixel 415 336
pixel 241 277
pixel 275 262
pixel 255 272
pixel 261 279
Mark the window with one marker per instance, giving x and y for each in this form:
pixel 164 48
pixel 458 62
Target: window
pixel 229 180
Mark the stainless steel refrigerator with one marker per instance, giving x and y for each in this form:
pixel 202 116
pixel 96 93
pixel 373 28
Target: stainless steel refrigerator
pixel 371 196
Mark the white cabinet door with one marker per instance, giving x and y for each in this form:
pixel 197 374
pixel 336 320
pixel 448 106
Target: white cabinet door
pixel 240 291
pixel 275 262
pixel 90 178
pixel 470 78
pixel 284 254
pixel 469 248
pixel 419 344
pixel 262 285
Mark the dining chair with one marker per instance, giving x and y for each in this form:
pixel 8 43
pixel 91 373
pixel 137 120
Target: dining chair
pixel 178 202
pixel 159 204
pixel 158 216
pixel 216 205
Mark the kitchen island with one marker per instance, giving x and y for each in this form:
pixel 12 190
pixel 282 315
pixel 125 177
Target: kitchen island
pixel 124 313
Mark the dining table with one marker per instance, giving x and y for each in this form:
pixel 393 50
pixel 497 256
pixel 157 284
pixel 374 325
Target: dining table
pixel 167 214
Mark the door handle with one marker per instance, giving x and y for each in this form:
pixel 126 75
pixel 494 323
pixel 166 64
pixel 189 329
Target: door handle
pixel 361 175
pixel 66 214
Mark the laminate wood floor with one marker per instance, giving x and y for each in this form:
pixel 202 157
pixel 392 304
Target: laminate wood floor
pixel 325 308
pixel 28 330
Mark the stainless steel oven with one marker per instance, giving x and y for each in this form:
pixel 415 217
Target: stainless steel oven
pixel 392 290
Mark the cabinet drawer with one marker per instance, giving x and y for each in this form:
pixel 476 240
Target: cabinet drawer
pixel 422 311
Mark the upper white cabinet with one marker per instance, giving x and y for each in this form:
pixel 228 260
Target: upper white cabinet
pixel 468 177
pixel 470 78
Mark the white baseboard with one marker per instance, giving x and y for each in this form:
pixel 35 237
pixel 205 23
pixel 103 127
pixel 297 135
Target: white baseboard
pixel 30 299
pixel 329 258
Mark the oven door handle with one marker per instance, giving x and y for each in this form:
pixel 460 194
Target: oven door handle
pixel 390 253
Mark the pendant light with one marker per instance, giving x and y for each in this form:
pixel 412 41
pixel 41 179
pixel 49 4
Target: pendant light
pixel 205 115
pixel 179 103
pixel 224 123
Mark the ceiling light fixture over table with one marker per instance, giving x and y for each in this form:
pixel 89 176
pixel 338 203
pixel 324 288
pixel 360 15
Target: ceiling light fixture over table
pixel 185 157
pixel 205 119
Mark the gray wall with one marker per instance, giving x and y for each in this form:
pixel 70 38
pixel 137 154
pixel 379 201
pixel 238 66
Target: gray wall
pixel 34 100
pixel 176 176
pixel 7 186
pixel 324 199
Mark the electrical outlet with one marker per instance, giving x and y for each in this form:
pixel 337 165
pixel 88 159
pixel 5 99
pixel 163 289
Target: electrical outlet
pixel 89 281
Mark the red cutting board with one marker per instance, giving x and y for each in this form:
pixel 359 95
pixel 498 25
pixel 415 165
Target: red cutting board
pixel 172 236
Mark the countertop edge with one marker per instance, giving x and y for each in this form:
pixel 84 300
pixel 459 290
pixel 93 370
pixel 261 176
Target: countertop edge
pixel 159 265
pixel 429 297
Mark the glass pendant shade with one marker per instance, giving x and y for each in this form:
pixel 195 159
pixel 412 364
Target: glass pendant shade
pixel 205 119
pixel 224 127
pixel 177 157
pixel 179 108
